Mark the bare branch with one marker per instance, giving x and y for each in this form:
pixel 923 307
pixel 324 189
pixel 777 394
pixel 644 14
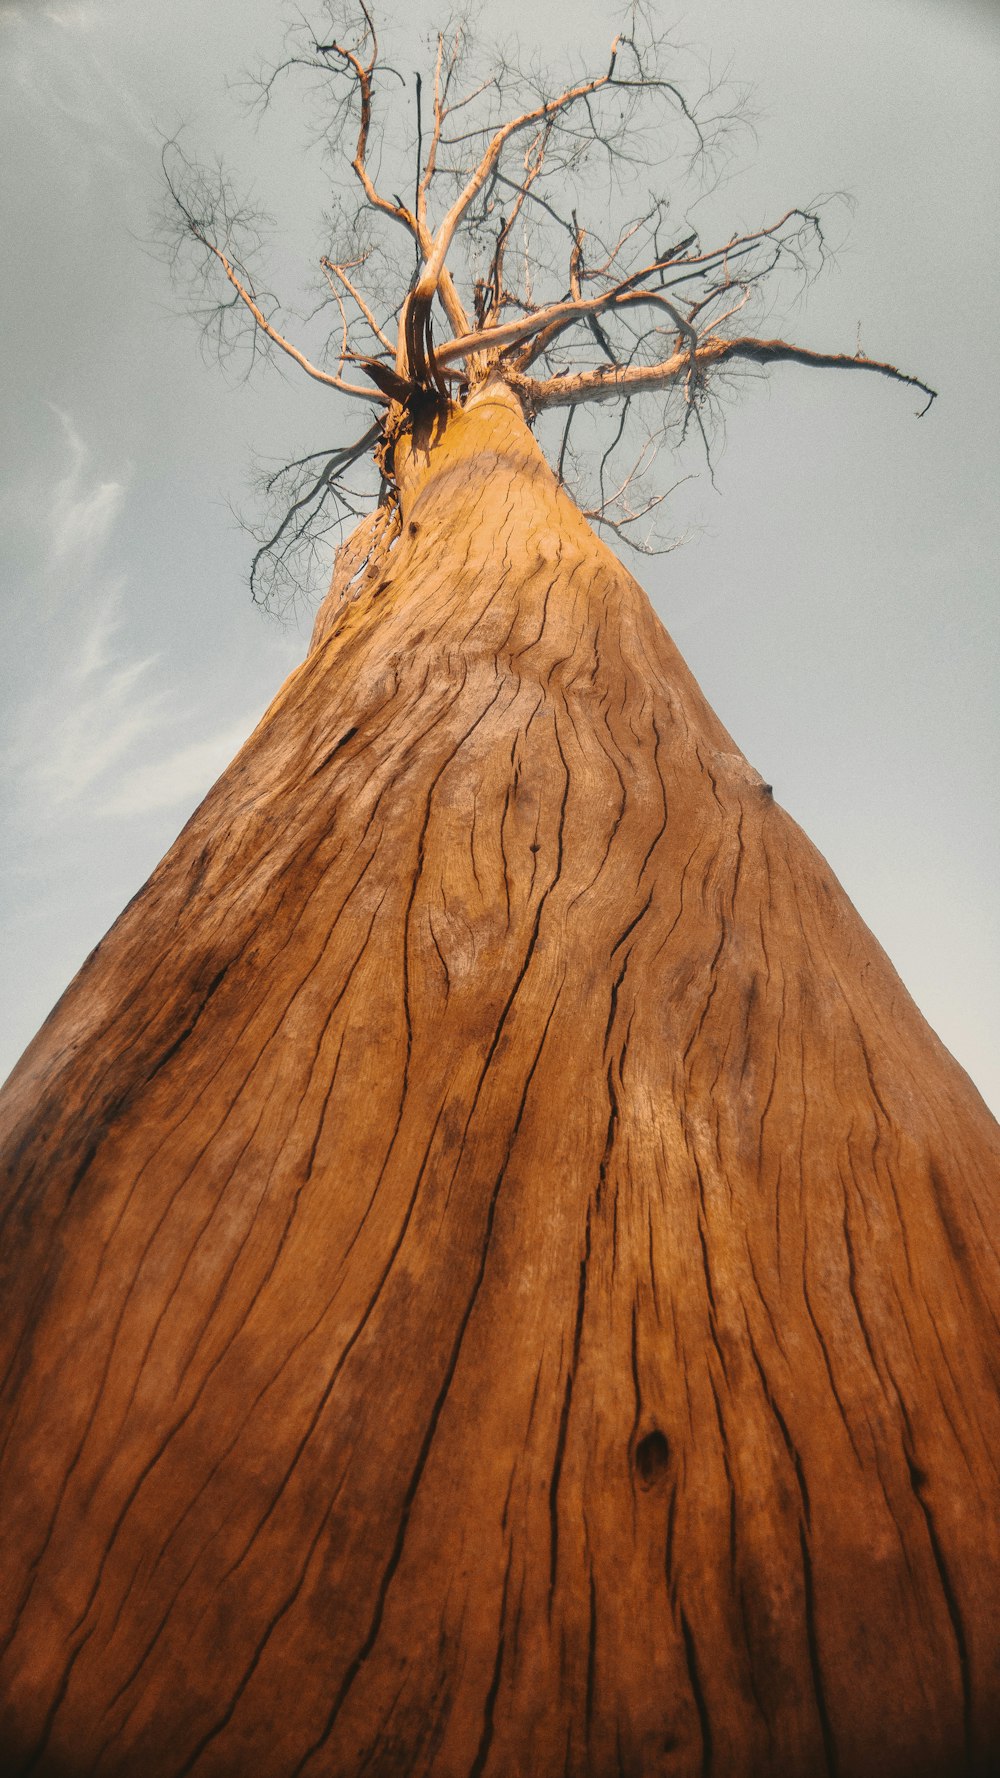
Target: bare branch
pixel 534 160
pixel 362 72
pixel 565 441
pixel 430 276
pixel 300 512
pixel 338 271
pixel 611 450
pixel 610 382
pixel 775 351
pixel 632 516
pixel 278 339
pixel 427 174
pixel 191 225
pixel 560 315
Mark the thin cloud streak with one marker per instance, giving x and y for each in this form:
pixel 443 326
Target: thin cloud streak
pixel 52 68
pixel 98 730
pixel 181 776
pixel 82 516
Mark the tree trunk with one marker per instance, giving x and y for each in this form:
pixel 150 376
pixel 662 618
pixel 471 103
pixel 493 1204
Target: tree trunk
pixel 498 1271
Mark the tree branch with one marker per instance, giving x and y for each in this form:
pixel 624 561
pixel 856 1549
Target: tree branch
pixel 362 72
pixel 311 370
pixel 339 272
pixel 431 274
pixel 609 382
pixel 559 316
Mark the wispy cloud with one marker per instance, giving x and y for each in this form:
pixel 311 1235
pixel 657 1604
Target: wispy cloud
pixel 83 510
pixel 106 743
pixel 179 776
pixel 72 18
pixel 103 710
pixel 60 62
pixel 100 728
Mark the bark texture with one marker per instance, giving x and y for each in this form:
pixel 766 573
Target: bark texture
pixel 500 1278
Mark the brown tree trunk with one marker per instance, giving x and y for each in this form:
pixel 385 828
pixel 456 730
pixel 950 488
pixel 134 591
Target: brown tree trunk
pixel 498 1272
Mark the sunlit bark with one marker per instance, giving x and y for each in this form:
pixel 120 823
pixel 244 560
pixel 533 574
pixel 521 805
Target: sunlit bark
pixel 499 1277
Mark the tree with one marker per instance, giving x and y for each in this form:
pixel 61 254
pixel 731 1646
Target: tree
pixel 499 1276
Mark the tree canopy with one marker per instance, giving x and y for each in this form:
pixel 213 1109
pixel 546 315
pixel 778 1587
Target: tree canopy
pixel 492 243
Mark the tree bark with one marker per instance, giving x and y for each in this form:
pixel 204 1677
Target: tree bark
pixel 500 1278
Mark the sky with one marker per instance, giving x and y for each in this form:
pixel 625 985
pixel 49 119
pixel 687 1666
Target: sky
pixel 835 591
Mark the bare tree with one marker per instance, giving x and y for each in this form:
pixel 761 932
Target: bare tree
pixel 491 270
pixel 499 1279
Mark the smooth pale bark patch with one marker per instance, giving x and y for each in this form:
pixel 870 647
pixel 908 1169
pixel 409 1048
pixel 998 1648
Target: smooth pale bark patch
pixel 499 1277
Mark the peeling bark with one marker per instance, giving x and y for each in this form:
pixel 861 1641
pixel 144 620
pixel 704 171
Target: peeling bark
pixel 500 1278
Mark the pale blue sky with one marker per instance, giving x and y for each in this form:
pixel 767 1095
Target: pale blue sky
pixel 837 596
